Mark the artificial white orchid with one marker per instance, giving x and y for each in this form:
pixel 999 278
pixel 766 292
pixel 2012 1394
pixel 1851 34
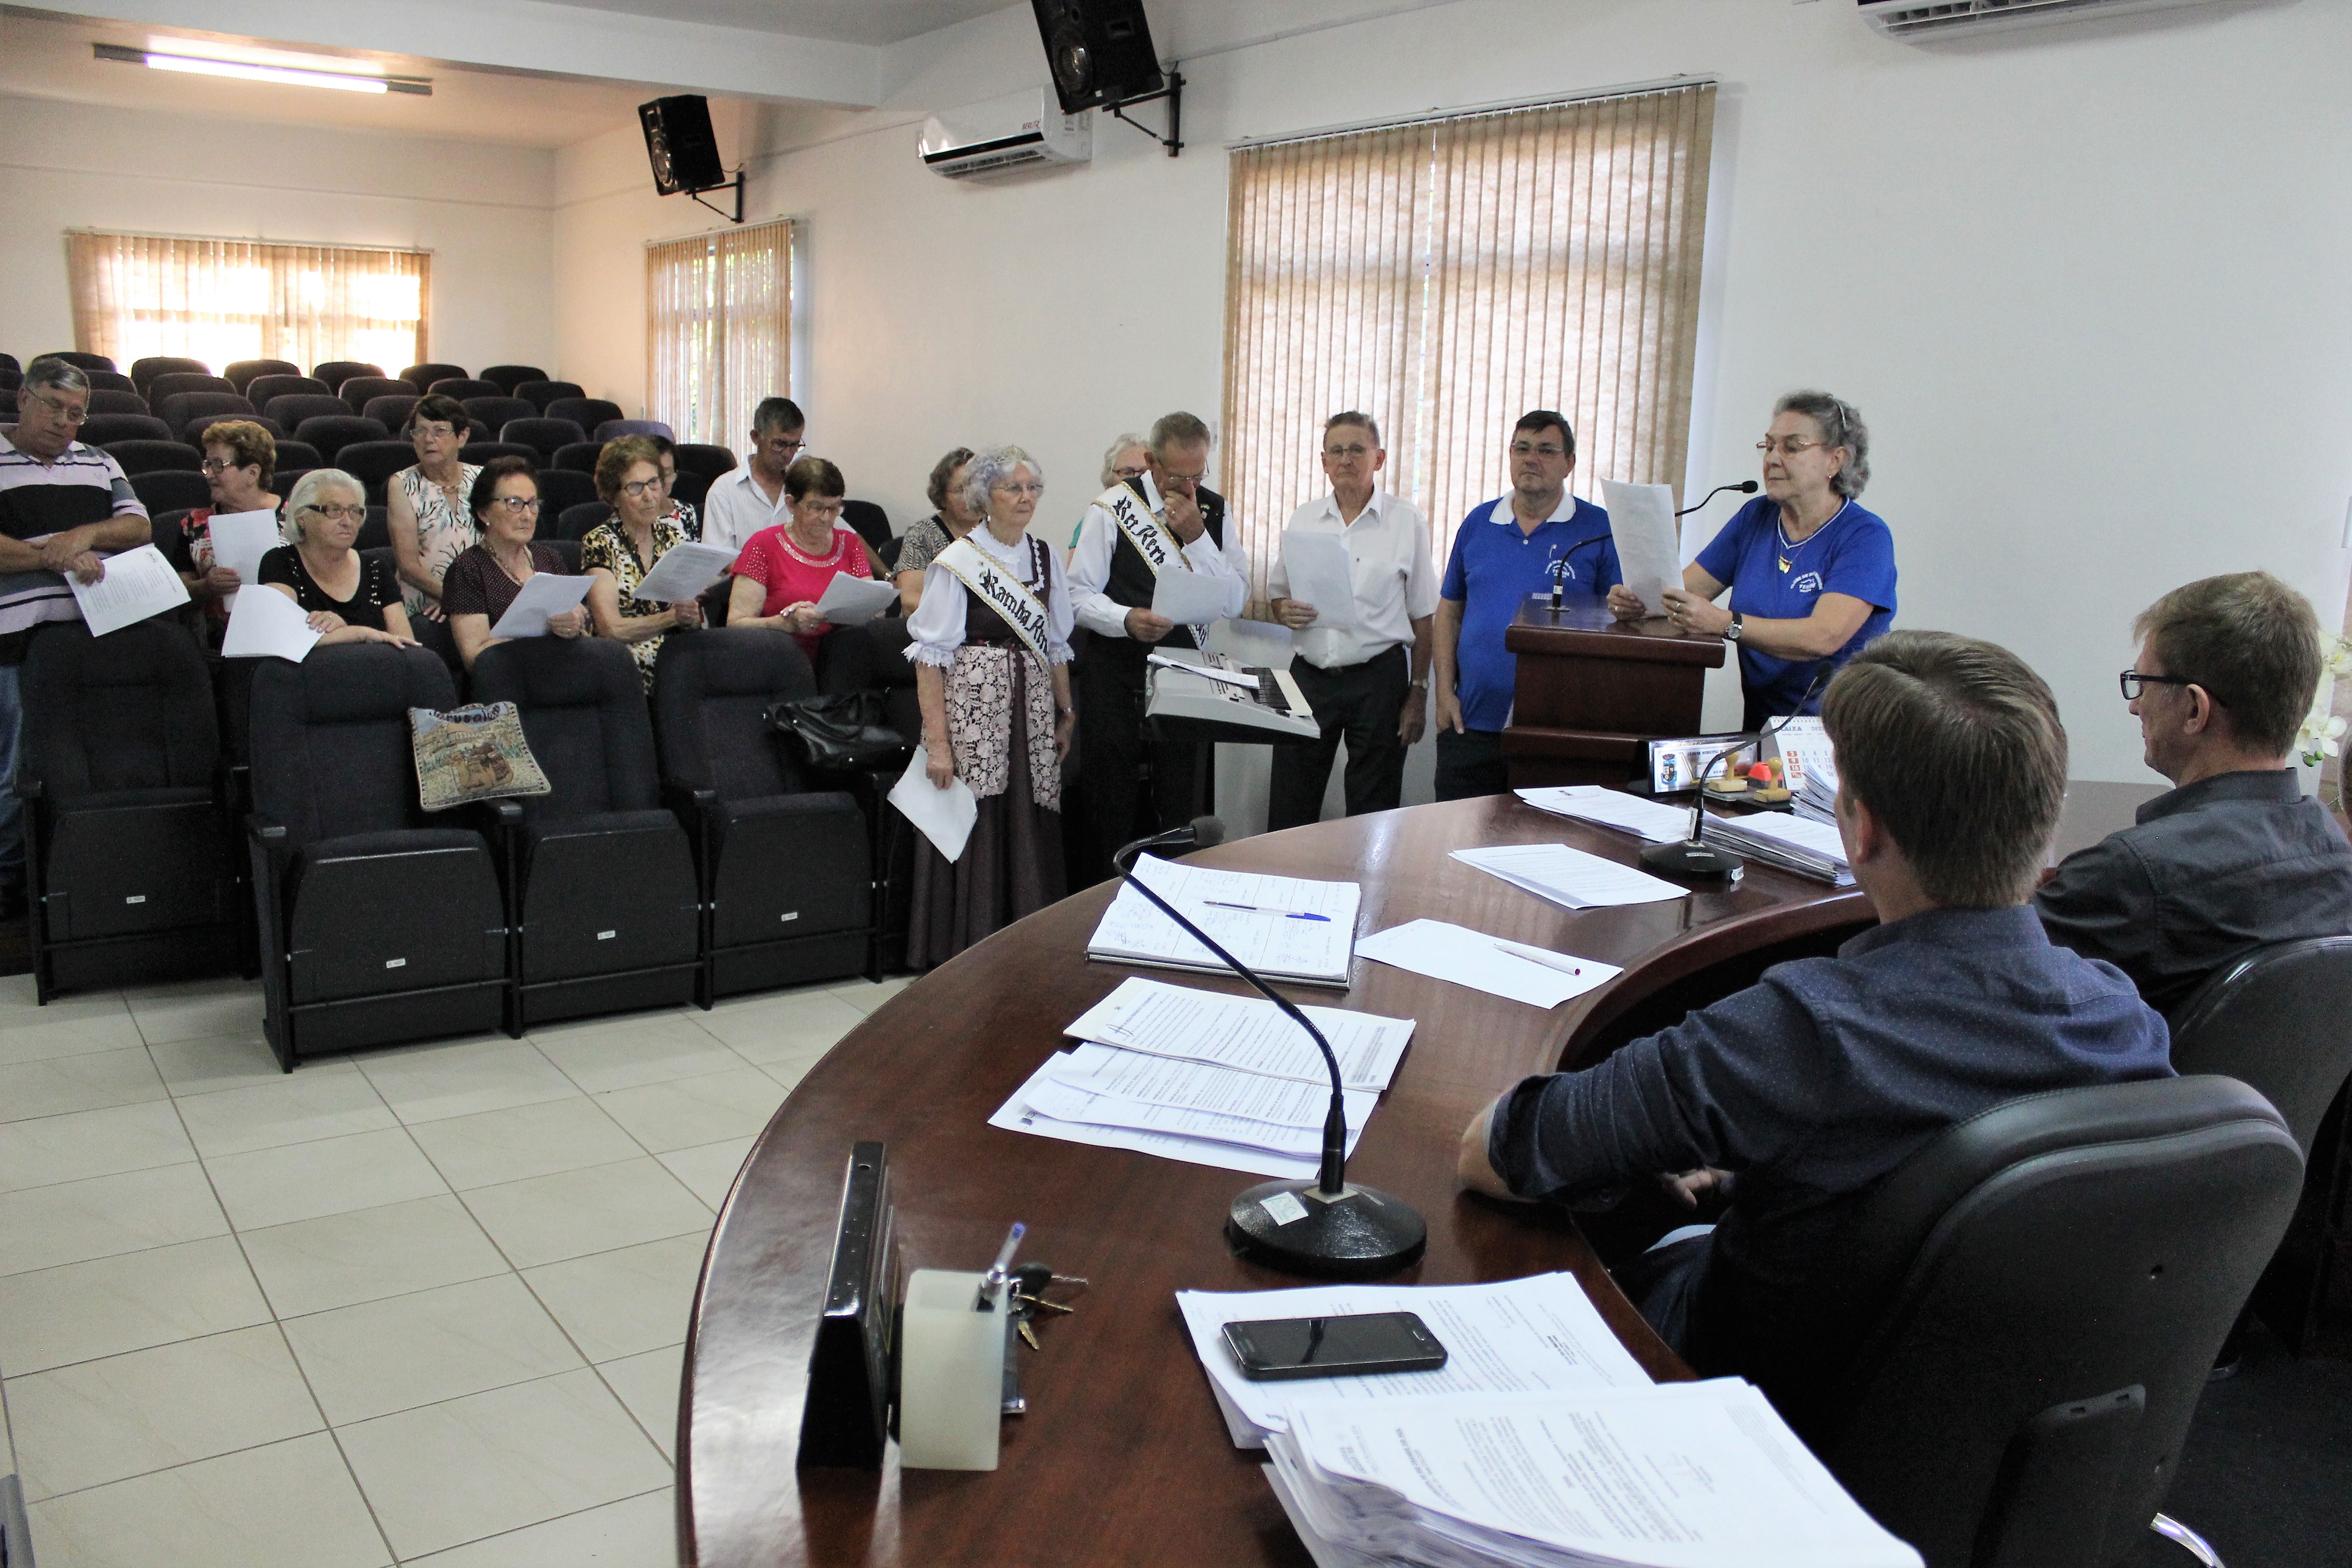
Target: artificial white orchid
pixel 2319 737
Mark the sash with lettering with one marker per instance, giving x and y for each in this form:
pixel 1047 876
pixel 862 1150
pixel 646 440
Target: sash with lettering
pixel 1000 591
pixel 1151 537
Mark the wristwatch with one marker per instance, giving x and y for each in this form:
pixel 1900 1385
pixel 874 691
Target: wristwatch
pixel 1731 632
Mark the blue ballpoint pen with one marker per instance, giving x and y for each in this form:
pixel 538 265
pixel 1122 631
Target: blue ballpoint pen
pixel 1262 909
pixel 999 1271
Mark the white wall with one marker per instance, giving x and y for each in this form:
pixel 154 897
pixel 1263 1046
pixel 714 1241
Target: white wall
pixel 486 212
pixel 2086 283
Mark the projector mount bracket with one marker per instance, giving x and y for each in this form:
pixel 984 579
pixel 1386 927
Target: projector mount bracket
pixel 1174 93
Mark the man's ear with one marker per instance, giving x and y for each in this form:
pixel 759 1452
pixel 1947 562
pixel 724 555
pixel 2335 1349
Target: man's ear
pixel 1865 835
pixel 2201 711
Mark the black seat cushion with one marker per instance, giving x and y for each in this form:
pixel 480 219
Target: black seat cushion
pixel 132 710
pixel 584 711
pixel 607 890
pixel 791 866
pixel 397 911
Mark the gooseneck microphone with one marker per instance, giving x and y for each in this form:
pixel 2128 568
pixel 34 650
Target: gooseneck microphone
pixel 1692 858
pixel 1744 487
pixel 1322 1227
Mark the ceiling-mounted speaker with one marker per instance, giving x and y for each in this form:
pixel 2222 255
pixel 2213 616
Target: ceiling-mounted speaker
pixel 683 147
pixel 1100 51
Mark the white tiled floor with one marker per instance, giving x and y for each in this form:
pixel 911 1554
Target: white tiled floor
pixel 420 1305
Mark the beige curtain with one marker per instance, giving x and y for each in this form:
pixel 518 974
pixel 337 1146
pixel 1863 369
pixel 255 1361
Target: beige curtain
pixel 719 329
pixel 1447 276
pixel 221 300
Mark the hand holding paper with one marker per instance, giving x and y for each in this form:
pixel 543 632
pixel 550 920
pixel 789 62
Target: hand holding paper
pixel 945 816
pixel 684 570
pixel 1320 575
pixel 544 594
pixel 1642 521
pixel 138 584
pixel 852 601
pixel 265 623
pixel 1191 598
pixel 240 539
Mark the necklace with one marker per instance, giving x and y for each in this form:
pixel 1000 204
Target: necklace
pixel 1788 550
pixel 500 561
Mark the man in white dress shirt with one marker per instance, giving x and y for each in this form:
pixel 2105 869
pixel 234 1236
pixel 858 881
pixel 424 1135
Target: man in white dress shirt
pixel 1164 520
pixel 744 501
pixel 1352 665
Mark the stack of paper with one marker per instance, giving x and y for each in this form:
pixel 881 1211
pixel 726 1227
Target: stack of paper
pixel 1812 763
pixel 1284 928
pixel 1796 843
pixel 1644 819
pixel 1688 1475
pixel 1570 877
pixel 1208 1079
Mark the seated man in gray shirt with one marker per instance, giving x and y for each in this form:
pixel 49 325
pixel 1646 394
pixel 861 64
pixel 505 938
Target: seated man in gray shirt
pixel 2236 856
pixel 1803 1091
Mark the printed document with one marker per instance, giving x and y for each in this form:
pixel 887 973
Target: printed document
pixel 240 539
pixel 1283 927
pixel 945 816
pixel 265 623
pixel 850 601
pixel 685 570
pixel 1106 1071
pixel 1642 521
pixel 1645 819
pixel 1515 969
pixel 543 593
pixel 1191 598
pixel 1515 1336
pixel 1320 574
pixel 1570 877
pixel 138 584
pixel 1247 1033
pixel 1064 1102
pixel 1017 1115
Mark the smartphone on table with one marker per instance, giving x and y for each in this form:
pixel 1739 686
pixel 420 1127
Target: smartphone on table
pixel 1349 1346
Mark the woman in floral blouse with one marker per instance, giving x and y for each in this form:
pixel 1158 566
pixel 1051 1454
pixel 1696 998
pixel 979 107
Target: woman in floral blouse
pixel 620 551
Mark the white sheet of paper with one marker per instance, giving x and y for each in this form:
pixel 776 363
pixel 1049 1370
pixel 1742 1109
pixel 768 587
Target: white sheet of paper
pixel 1642 521
pixel 265 623
pixel 850 601
pixel 1646 819
pixel 1106 1070
pixel 685 570
pixel 1320 575
pixel 1063 1102
pixel 1483 963
pixel 1016 1116
pixel 138 584
pixel 1571 877
pixel 1515 1336
pixel 544 594
pixel 240 539
pixel 1293 928
pixel 945 816
pixel 1191 598
pixel 1246 1034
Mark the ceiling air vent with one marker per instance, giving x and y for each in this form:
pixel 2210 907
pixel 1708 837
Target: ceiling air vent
pixel 1917 19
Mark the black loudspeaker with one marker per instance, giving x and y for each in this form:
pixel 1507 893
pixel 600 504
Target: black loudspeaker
pixel 683 147
pixel 1100 51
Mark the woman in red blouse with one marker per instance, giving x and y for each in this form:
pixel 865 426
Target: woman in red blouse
pixel 782 570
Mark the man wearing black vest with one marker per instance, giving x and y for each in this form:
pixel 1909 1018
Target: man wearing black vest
pixel 1163 520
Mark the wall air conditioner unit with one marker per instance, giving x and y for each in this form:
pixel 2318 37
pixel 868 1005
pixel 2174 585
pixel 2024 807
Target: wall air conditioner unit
pixel 1917 19
pixel 1003 133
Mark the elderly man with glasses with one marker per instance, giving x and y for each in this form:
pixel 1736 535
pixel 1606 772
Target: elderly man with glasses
pixel 2236 855
pixel 745 500
pixel 63 508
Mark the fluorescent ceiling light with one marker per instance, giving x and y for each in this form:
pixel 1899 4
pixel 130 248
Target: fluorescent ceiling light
pixel 247 70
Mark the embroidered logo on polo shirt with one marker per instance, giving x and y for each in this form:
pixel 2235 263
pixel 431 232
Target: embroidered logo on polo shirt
pixel 1561 568
pixel 1810 583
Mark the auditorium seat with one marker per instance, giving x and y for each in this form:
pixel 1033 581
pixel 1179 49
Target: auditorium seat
pixel 143 372
pixel 497 412
pixel 158 489
pixel 293 454
pixel 544 436
pixel 423 376
pixel 613 429
pixel 165 384
pixel 539 393
pixel 283 481
pixel 203 422
pixel 372 462
pixel 691 488
pixel 76 357
pixel 605 893
pixel 106 429
pixel 576 521
pixel 336 371
pixel 107 400
pixel 331 433
pixel 463 387
pixel 378 923
pixel 177 408
pixel 127 849
pixel 149 457
pixel 580 456
pixel 291 408
pixel 109 381
pixel 8 362
pixel 568 550
pixel 262 388
pixel 10 380
pixel 243 373
pixel 375 530
pixel 784 869
pixel 698 458
pixel 355 391
pixel 511 376
pixel 586 412
pixel 391 409
pixel 872 523
pixel 561 489
pixel 480 452
pixel 2037 1296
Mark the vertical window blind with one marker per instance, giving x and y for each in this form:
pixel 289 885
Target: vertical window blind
pixel 221 300
pixel 1448 275
pixel 719 329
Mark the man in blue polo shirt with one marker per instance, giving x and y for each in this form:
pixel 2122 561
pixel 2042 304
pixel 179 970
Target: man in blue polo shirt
pixel 1505 550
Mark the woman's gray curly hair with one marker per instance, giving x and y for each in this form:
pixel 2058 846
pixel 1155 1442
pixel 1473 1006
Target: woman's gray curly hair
pixel 1841 425
pixel 991 467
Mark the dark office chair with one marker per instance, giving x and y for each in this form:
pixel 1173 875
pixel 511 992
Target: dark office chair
pixel 2037 1296
pixel 105 400
pixel 299 454
pixel 245 372
pixel 568 550
pixel 262 388
pixel 330 434
pixel 290 409
pixel 785 869
pixel 176 408
pixel 480 452
pixel 544 436
pixel 579 456
pixel 161 489
pixel 613 429
pixel 586 412
pixel 495 412
pixel 539 393
pixel 560 490
pixel 391 409
pixel 336 371
pixel 172 383
pixel 378 923
pixel 872 523
pixel 372 462
pixel 603 874
pixel 700 457
pixel 143 372
pixel 574 521
pixel 2280 1019
pixel 510 376
pixel 202 423
pixel 127 852
pixel 462 387
pixel 76 357
pixel 423 376
pixel 136 457
pixel 106 429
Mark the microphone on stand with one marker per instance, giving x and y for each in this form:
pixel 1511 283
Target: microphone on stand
pixel 1744 487
pixel 1704 862
pixel 1322 1227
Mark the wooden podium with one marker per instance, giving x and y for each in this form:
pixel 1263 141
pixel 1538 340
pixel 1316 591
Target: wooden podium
pixel 1592 688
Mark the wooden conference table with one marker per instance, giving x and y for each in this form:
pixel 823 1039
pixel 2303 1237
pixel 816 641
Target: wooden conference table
pixel 1122 1456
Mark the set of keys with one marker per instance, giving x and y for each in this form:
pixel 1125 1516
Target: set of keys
pixel 1026 1295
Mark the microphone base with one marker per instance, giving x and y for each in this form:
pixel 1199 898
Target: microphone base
pixel 1361 1234
pixel 1695 862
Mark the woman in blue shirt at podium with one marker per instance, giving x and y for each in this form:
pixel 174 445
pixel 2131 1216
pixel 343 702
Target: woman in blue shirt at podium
pixel 1811 574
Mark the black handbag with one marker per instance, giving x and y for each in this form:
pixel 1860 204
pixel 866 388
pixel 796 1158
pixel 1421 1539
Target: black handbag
pixel 843 733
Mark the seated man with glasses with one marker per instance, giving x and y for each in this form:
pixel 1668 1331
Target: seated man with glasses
pixel 744 502
pixel 2235 857
pixel 63 508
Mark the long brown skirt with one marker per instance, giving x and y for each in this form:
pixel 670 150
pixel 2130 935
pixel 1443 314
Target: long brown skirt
pixel 1010 867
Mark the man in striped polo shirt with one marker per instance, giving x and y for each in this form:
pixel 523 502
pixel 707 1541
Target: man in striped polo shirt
pixel 63 508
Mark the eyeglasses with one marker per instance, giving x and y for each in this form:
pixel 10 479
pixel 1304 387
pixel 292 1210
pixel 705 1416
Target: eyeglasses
pixel 518 505
pixel 1790 447
pixel 636 489
pixel 71 415
pixel 1549 449
pixel 216 466
pixel 1194 478
pixel 1336 453
pixel 435 432
pixel 339 513
pixel 1130 473
pixel 1032 488
pixel 2133 683
pixel 787 448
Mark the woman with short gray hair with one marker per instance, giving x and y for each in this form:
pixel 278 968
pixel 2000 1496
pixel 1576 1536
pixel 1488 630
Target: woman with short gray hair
pixel 347 596
pixel 1124 459
pixel 1811 574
